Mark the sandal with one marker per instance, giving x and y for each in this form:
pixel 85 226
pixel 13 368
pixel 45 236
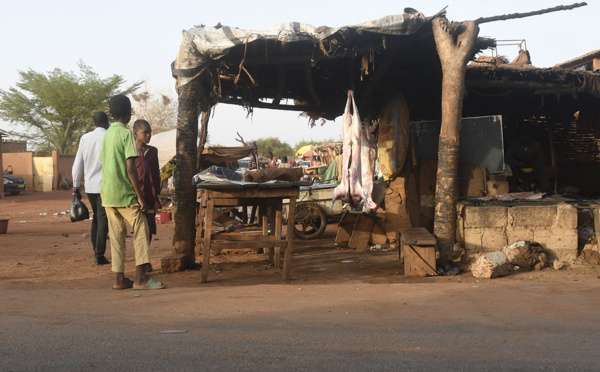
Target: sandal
pixel 152 284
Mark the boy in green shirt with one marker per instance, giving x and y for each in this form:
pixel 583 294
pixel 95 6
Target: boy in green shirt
pixel 122 198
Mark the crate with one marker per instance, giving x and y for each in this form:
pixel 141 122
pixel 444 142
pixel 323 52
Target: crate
pixel 419 249
pixel 162 217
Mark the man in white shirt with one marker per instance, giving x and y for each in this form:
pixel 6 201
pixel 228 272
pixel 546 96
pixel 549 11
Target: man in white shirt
pixel 86 159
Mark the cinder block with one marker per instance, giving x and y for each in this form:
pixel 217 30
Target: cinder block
pixel 493 239
pixel 524 216
pixel 514 234
pixel 484 240
pixel 556 238
pixel 485 216
pixel 562 255
pixel 473 239
pixel 566 216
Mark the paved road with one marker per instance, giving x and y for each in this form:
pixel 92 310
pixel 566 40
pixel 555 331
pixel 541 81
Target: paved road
pixel 350 327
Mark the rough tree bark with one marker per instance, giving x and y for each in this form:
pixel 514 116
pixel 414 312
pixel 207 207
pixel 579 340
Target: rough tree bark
pixel 455 45
pixel 185 169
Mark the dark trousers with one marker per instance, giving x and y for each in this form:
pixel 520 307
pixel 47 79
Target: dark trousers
pixel 99 225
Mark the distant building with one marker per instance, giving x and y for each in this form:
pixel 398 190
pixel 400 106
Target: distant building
pixel 10 146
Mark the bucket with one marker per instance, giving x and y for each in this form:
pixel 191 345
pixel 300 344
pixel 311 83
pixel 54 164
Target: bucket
pixel 3 225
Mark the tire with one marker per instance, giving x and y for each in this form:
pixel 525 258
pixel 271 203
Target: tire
pixel 15 192
pixel 310 221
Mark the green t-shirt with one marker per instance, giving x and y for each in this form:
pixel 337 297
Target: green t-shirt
pixel 117 146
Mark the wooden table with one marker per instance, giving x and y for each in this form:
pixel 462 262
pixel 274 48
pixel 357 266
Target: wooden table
pixel 256 195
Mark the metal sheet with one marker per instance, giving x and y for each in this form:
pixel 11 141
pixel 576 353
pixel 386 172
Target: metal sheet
pixel 481 141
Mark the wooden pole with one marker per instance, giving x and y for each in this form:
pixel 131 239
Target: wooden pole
pixel 455 46
pixel 185 192
pixel 528 14
pixel 203 136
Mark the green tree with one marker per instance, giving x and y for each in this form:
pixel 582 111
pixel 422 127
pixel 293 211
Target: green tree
pixel 280 149
pixel 304 142
pixel 57 108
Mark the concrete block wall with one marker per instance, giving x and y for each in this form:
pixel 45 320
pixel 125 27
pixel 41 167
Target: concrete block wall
pixel 489 228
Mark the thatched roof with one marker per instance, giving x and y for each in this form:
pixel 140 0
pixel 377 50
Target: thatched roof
pixel 314 67
pixel 518 91
pixel 579 61
pixel 299 67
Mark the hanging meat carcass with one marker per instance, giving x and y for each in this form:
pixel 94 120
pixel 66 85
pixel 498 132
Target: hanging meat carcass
pixel 342 190
pixel 357 176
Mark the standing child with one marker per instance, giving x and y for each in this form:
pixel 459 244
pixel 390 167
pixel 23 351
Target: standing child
pixel 148 175
pixel 122 197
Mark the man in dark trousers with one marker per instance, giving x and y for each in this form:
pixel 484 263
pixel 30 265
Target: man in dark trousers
pixel 86 160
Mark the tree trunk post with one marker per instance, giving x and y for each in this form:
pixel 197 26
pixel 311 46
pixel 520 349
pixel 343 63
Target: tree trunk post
pixel 455 46
pixel 203 136
pixel 185 192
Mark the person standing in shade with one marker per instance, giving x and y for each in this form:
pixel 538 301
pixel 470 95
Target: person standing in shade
pixel 86 161
pixel 123 199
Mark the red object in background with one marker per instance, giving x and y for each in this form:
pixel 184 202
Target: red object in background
pixel 307 154
pixel 162 217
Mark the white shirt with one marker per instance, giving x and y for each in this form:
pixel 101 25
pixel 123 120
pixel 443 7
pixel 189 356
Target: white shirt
pixel 87 157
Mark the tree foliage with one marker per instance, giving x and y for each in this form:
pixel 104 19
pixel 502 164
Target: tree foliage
pixel 157 108
pixel 57 108
pixel 280 149
pixel 304 142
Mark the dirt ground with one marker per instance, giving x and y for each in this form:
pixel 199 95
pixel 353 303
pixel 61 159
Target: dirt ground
pixel 343 310
pixel 43 247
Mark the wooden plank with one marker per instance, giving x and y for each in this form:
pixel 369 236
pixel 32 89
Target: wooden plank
pixel 207 238
pixel 345 227
pixel 238 237
pixel 287 260
pixel 417 236
pixel 222 218
pixel 278 223
pixel 251 244
pixel 395 206
pixel 291 192
pixel 363 227
pixel 419 260
pixel 379 236
pixel 240 202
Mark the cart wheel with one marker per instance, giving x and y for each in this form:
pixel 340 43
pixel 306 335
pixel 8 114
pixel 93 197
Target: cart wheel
pixel 310 221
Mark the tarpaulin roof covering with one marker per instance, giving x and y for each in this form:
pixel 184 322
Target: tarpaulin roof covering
pixel 314 67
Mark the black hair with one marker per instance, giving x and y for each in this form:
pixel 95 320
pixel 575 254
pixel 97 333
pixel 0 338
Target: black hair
pixel 285 159
pixel 120 106
pixel 140 123
pixel 101 119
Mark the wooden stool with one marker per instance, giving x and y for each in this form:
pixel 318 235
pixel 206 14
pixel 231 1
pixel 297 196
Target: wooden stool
pixel 418 246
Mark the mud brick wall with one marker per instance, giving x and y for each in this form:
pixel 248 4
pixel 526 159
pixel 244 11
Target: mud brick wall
pixel 483 229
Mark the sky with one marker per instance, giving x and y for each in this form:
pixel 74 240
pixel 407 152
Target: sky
pixel 139 39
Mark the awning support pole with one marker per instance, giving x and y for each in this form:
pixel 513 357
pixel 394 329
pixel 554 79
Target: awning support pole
pixel 455 45
pixel 185 192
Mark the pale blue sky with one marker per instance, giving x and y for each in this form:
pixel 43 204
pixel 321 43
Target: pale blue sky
pixel 139 40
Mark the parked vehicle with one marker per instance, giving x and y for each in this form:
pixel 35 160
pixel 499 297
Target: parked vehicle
pixel 12 184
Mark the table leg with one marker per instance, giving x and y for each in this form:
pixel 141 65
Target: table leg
pixel 200 227
pixel 264 218
pixel 207 235
pixel 278 204
pixel 287 260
